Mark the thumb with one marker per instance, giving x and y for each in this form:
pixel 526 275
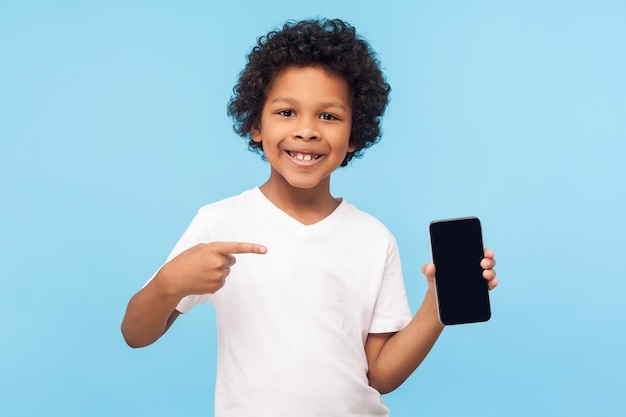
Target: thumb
pixel 429 272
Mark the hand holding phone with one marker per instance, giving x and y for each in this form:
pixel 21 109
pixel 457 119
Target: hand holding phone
pixel 462 292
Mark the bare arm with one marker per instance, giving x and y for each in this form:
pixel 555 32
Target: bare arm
pixel 392 357
pixel 149 314
pixel 201 269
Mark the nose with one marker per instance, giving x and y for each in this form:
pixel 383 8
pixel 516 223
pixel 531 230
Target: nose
pixel 306 130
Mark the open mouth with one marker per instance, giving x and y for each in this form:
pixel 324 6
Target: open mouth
pixel 300 156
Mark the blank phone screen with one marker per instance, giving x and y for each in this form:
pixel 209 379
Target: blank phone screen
pixel 462 292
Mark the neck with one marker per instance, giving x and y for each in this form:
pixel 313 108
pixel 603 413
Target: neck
pixel 307 205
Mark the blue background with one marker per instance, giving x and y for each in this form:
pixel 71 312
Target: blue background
pixel 113 132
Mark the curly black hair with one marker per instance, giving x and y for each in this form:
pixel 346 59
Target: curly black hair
pixel 330 44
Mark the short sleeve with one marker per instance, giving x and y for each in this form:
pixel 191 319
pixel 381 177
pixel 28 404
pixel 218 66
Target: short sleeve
pixel 391 312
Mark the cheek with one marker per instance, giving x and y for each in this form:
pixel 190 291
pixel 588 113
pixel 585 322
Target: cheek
pixel 269 150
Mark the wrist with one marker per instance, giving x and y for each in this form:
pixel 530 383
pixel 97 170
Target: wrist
pixel 165 284
pixel 430 308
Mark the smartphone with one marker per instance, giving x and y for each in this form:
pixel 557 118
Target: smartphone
pixel 462 292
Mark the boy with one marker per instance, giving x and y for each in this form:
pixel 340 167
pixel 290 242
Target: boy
pixel 313 318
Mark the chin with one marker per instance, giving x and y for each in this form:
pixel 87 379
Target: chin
pixel 306 183
pixel 303 185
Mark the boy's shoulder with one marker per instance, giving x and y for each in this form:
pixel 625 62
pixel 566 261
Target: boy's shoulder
pixel 227 204
pixel 225 210
pixel 369 219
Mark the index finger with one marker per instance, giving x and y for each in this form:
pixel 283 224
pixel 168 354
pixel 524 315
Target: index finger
pixel 227 248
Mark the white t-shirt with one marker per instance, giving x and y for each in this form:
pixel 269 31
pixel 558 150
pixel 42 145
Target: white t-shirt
pixel 292 323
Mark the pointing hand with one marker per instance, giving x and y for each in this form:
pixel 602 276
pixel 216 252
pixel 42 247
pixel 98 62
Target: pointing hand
pixel 202 269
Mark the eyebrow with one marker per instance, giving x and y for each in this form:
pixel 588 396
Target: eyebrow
pixel 294 102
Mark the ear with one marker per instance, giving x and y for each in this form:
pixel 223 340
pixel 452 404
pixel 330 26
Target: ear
pixel 255 132
pixel 351 145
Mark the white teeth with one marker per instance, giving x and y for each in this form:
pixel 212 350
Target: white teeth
pixel 304 156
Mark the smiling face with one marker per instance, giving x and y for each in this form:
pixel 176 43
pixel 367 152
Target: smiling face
pixel 305 127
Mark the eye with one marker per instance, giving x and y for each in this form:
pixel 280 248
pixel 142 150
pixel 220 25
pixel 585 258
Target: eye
pixel 328 116
pixel 286 113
